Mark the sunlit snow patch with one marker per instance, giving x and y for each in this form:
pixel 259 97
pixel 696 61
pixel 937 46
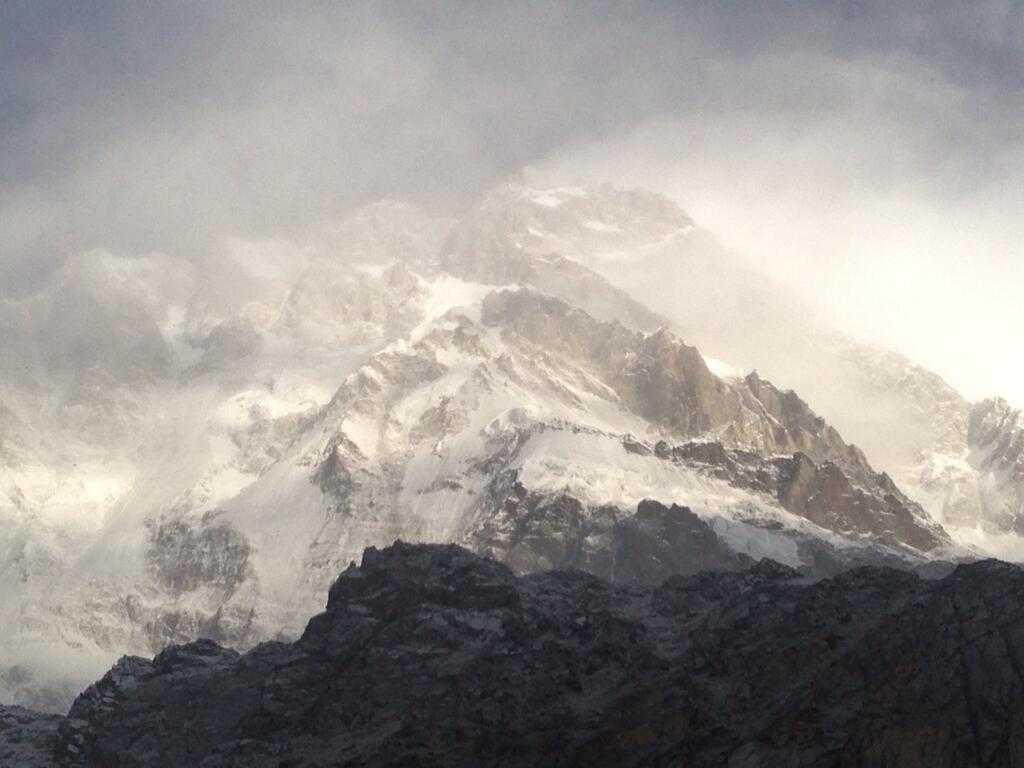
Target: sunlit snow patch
pixel 723 370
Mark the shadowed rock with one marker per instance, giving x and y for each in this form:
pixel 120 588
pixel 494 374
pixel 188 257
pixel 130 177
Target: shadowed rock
pixel 429 655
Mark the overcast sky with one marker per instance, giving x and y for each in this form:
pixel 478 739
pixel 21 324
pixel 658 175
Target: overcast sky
pixel 870 154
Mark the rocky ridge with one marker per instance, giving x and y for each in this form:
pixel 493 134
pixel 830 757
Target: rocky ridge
pixel 430 655
pixel 649 248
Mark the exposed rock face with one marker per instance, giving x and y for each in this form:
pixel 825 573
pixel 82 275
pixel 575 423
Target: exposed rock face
pixel 228 342
pixel 828 494
pixel 976 482
pixel 825 495
pixel 27 738
pixel 911 423
pixel 996 437
pixel 998 429
pixel 210 555
pixel 428 655
pixel 667 382
pixel 533 532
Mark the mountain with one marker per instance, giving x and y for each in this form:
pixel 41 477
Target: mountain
pixel 429 655
pixel 996 440
pixel 196 449
pixel 907 419
pixel 144 387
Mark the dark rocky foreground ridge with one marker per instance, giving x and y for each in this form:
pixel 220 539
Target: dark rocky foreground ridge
pixel 430 655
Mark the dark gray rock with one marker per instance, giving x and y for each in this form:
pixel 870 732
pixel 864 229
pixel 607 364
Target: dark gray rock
pixel 27 738
pixel 228 342
pixel 533 531
pixel 334 479
pixel 428 655
pixel 853 503
pixel 185 557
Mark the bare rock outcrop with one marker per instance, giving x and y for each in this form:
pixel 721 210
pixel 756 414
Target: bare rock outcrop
pixel 429 655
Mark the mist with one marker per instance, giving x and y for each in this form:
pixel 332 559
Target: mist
pixel 895 214
pixel 868 156
pixel 650 293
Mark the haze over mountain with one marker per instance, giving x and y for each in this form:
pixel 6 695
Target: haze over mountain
pixel 868 155
pixel 632 383
pixel 199 450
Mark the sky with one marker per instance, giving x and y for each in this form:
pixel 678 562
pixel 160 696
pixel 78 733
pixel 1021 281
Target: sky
pixel 869 154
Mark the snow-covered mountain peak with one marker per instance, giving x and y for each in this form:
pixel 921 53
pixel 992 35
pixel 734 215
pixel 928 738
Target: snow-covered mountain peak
pixel 591 224
pixel 238 429
pixel 609 204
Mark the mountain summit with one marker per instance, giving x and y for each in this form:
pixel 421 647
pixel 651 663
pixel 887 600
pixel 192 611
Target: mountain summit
pixel 196 450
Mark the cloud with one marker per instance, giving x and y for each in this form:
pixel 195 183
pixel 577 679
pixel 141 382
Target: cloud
pixel 855 149
pixel 885 185
pixel 139 126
